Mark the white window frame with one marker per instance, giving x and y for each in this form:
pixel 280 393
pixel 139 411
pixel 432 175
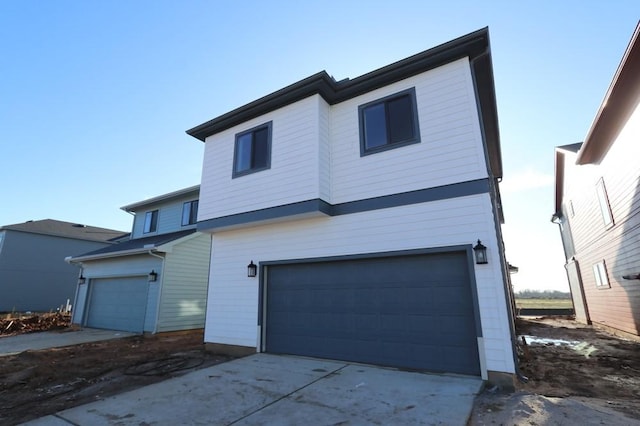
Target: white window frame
pixel 148 222
pixel 600 273
pixel 190 213
pixel 603 201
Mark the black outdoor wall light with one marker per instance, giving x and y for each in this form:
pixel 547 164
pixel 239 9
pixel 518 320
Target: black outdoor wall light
pixel 252 270
pixel 480 252
pixel 81 279
pixel 153 276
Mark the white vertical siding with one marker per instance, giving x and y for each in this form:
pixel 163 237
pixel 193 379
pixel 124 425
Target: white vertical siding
pixel 169 217
pixel 450 150
pixel 233 298
pixel 324 127
pixel 184 285
pixel 294 172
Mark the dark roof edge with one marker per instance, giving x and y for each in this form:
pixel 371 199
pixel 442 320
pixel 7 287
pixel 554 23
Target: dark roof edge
pixel 621 99
pixel 472 45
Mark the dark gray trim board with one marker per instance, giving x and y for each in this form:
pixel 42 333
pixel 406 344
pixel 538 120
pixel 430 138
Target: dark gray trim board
pixel 474 187
pixel 472 45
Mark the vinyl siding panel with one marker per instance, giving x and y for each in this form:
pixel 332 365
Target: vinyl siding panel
pixel 232 306
pixel 619 305
pixel 184 287
pixel 450 150
pixel 294 174
pixel 324 126
pixel 169 218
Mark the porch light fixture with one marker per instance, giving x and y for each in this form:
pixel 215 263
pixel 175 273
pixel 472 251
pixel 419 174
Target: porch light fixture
pixel 480 252
pixel 81 279
pixel 252 270
pixel 153 276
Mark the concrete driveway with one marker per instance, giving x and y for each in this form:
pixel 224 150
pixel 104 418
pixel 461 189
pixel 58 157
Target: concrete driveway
pixel 265 389
pixel 55 339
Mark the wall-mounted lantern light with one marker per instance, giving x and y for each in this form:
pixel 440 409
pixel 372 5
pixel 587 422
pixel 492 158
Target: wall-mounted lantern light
pixel 153 276
pixel 252 270
pixel 480 252
pixel 81 279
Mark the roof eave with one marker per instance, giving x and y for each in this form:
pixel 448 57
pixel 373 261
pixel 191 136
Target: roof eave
pixel 161 198
pixel 471 45
pixel 620 101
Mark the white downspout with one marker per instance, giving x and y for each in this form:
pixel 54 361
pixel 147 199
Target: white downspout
pixel 160 285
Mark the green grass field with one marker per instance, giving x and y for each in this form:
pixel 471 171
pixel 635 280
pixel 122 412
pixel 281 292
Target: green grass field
pixel 544 303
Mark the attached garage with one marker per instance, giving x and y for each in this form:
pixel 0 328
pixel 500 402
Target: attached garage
pixel 118 303
pixel 415 311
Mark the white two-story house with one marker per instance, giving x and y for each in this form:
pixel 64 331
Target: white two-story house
pixel 154 282
pixel 344 218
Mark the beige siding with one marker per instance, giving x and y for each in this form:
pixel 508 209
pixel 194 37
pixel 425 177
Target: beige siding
pixel 619 305
pixel 184 285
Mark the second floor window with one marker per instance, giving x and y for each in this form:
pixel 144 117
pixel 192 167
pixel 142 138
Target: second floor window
pixel 189 212
pixel 603 201
pixel 252 150
pixel 389 122
pixel 151 221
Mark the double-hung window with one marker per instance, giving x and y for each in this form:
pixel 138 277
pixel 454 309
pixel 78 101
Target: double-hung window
pixel 189 212
pixel 252 150
pixel 151 221
pixel 603 201
pixel 389 122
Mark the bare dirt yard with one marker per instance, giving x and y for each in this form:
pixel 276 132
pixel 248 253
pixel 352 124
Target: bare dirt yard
pixel 578 375
pixel 37 383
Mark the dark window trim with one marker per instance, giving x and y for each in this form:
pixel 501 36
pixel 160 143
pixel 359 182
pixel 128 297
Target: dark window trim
pixel 193 213
pixel 416 125
pixel 153 225
pixel 269 126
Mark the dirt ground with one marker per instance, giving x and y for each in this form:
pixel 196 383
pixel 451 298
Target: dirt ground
pixel 576 375
pixel 37 383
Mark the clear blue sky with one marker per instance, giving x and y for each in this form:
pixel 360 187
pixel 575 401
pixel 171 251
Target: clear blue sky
pixel 95 96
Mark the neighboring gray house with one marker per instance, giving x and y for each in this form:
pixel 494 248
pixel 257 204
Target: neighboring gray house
pixel 154 282
pixel 33 274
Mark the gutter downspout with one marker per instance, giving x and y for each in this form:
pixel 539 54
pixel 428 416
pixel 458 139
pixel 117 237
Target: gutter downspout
pixel 160 285
pixel 492 184
pixel 68 259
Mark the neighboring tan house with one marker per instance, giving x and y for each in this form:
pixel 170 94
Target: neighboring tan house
pixel 33 274
pixel 154 282
pixel 359 203
pixel 597 205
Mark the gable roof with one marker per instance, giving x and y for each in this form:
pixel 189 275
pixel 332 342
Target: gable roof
pixel 161 198
pixel 474 45
pixel 619 103
pixel 59 228
pixel 134 246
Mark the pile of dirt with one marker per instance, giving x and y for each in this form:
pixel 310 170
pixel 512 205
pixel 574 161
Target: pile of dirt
pixel 576 374
pixel 38 383
pixel 11 325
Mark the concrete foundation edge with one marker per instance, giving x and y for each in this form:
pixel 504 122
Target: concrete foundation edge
pixel 505 381
pixel 229 350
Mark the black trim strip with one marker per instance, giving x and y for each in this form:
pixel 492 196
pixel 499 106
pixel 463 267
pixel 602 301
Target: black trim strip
pixel 317 205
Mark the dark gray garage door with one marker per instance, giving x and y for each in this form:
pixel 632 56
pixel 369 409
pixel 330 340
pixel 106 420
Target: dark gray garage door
pixel 411 311
pixel 118 303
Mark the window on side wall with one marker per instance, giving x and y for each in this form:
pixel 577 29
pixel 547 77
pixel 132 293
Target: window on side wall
pixel 252 152
pixel 388 123
pixel 189 212
pixel 600 273
pixel 605 208
pixel 151 221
